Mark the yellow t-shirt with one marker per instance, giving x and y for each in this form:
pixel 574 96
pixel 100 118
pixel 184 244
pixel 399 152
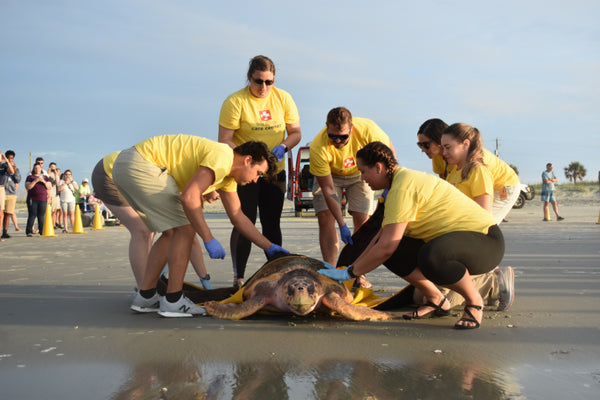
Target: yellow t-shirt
pixel 439 164
pixel 326 159
pixel 478 182
pixel 109 161
pixel 182 155
pixel 431 206
pixel 262 120
pixel 502 173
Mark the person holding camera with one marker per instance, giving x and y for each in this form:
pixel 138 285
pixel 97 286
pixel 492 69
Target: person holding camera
pixel 54 199
pixel 37 185
pixel 67 188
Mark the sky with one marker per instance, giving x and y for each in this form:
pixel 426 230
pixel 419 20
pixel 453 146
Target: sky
pixel 81 79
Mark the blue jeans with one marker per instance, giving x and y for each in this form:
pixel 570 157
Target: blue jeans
pixel 36 209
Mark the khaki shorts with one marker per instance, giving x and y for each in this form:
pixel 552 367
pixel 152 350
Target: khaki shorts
pixel 10 201
pixel 55 203
pixel 504 200
pixel 358 194
pixel 2 196
pixel 150 190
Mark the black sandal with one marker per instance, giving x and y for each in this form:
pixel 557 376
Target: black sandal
pixel 471 319
pixel 437 311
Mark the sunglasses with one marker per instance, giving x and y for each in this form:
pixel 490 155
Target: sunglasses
pixel 338 137
pixel 268 82
pixel 424 145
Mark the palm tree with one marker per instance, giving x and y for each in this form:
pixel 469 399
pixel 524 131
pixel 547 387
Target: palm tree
pixel 575 170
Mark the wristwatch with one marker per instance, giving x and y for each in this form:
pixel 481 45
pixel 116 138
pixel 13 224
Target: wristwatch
pixel 350 271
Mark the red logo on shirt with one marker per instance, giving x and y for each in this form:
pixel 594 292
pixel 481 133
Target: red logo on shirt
pixel 349 162
pixel 265 115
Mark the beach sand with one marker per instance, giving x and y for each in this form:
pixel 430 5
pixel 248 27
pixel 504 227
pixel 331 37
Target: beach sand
pixel 66 331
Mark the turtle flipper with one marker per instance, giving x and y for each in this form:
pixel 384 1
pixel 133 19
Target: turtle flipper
pixel 235 311
pixel 353 312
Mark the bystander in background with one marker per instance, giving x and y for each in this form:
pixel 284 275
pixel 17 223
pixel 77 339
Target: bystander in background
pixel 548 181
pixel 10 186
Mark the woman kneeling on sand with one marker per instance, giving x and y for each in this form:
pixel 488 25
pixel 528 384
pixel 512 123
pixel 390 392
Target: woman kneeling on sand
pixel 431 235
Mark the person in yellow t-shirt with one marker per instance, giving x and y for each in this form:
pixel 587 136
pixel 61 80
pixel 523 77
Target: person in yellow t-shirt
pixel 479 174
pixel 333 163
pixel 431 235
pixel 429 138
pixel 260 112
pixel 141 238
pixel 164 178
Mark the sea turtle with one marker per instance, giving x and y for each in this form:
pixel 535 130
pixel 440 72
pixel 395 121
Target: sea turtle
pixel 291 284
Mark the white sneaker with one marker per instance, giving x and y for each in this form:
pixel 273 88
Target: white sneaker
pixel 184 307
pixel 506 284
pixel 143 305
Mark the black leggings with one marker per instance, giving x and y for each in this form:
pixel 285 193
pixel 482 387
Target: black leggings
pixel 445 259
pixel 267 196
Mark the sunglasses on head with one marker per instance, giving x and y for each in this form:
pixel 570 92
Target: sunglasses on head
pixel 338 137
pixel 424 145
pixel 267 82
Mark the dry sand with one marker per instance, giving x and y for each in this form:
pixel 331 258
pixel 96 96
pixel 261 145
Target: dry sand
pixel 66 331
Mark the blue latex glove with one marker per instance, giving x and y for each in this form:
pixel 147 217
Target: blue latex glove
pixel 336 274
pixel 206 282
pixel 346 235
pixel 328 266
pixel 279 152
pixel 274 249
pixel 385 193
pixel 214 248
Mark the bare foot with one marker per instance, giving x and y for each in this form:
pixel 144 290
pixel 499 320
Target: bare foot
pixel 362 282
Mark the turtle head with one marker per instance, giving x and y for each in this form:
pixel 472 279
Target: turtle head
pixel 302 295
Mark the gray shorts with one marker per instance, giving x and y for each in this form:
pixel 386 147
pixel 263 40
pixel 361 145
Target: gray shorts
pixel 105 188
pixel 67 206
pixel 150 190
pixel 358 194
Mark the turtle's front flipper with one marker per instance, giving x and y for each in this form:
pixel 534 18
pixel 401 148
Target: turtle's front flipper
pixel 353 312
pixel 235 311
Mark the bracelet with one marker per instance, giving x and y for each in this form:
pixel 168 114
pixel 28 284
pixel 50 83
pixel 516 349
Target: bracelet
pixel 350 271
pixel 285 148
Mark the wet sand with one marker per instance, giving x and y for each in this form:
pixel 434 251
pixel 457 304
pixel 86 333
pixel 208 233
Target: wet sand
pixel 66 330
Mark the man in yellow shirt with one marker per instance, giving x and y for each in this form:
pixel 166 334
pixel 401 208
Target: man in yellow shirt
pixel 163 178
pixel 333 163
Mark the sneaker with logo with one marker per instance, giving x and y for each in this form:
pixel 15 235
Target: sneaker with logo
pixel 183 307
pixel 506 285
pixel 142 305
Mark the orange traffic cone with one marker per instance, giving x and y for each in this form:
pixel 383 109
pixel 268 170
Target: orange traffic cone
pixel 598 218
pixel 77 225
pixel 98 220
pixel 48 230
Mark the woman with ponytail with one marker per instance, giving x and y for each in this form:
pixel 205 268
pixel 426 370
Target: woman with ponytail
pixel 479 174
pixel 430 235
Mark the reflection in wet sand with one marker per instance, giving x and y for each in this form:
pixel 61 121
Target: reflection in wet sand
pixel 329 379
